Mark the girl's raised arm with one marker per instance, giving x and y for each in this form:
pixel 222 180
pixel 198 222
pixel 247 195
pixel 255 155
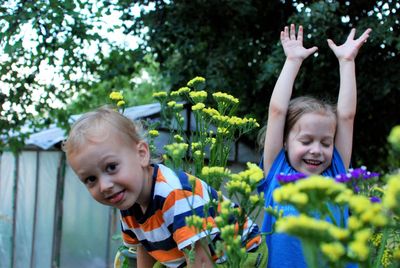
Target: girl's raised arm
pixel 295 54
pixel 347 99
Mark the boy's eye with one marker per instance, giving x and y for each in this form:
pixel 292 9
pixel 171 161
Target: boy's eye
pixel 111 167
pixel 90 180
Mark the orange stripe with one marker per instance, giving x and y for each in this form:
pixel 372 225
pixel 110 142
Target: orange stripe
pixel 160 177
pixel 186 232
pixel 174 196
pixel 198 188
pixel 254 241
pixel 166 255
pixel 129 239
pixel 131 222
pixel 154 222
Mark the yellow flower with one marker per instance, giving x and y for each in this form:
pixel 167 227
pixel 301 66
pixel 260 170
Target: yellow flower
pixel 391 199
pixel 196 81
pixel 198 96
pixel 116 96
pixel 120 103
pixel 171 104
pixel 334 251
pixel 160 94
pixel 394 137
pixel 198 106
pixel 354 223
pixel 153 133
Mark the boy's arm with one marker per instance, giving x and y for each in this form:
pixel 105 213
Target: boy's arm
pixel 347 99
pixel 143 258
pixel 201 256
pixel 295 54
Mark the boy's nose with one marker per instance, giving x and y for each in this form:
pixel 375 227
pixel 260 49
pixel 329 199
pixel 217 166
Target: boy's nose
pixel 106 184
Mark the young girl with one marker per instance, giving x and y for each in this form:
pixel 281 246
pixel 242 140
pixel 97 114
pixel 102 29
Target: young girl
pixel 306 135
pixel 106 152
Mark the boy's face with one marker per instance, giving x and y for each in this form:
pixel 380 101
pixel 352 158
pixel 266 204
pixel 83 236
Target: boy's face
pixel 115 171
pixel 310 143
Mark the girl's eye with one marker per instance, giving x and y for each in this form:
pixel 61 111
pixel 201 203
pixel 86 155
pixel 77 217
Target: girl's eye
pixel 305 142
pixel 111 167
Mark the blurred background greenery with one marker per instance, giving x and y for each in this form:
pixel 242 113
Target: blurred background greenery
pixel 59 58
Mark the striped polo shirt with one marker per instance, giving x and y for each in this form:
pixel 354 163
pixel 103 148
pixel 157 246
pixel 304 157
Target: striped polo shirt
pixel 162 229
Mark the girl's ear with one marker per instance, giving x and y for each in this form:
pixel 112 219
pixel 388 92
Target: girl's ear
pixel 143 153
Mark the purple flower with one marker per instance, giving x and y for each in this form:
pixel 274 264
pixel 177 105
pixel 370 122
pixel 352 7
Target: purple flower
pixel 375 199
pixel 286 178
pixel 345 177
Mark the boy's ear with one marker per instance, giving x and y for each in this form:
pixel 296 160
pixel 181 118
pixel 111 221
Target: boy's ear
pixel 143 153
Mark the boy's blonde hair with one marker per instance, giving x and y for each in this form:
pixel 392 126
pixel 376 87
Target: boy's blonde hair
pixel 92 125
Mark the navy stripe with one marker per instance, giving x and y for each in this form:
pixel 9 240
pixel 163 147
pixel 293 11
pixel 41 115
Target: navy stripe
pixel 166 244
pixel 179 220
pixel 184 179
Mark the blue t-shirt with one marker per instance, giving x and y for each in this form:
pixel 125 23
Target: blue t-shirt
pixel 285 250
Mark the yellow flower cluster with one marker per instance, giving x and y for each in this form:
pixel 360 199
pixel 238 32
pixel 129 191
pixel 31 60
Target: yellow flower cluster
pixel 211 112
pixel 180 91
pixel 359 248
pixel 334 251
pixel 366 212
pixel 178 138
pixel 195 221
pixel 246 181
pixel 198 106
pixel 386 258
pixel 394 137
pixel 116 96
pixel 391 199
pixel 195 81
pixel 198 96
pixel 225 97
pixel 160 94
pixel 376 239
pixel 316 187
pixel 153 133
pixel 176 150
pixel 307 227
pixel 215 171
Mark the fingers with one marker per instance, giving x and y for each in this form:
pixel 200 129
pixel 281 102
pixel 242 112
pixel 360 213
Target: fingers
pixel 300 34
pixel 292 32
pixel 364 36
pixel 312 50
pixel 331 44
pixel 351 34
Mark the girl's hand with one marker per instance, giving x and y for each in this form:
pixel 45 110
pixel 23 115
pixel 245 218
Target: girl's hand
pixel 348 51
pixel 293 46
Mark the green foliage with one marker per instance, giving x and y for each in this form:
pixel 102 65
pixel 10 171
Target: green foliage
pixel 235 45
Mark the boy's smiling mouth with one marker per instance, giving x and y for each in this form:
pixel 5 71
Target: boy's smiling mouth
pixel 116 198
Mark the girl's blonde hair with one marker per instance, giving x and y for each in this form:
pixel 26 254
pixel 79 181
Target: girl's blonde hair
pixel 297 108
pixel 92 125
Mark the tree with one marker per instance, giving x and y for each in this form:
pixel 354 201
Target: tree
pixel 36 35
pixel 234 44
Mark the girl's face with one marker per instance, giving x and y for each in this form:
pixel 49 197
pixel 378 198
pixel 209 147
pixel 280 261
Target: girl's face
pixel 115 170
pixel 310 143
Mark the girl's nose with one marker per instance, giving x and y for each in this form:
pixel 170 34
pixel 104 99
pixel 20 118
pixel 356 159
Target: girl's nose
pixel 315 149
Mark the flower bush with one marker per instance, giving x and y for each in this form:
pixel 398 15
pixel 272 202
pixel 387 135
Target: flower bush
pixel 371 237
pixel 204 153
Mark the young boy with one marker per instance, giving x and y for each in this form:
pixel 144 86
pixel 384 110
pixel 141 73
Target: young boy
pixel 105 150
